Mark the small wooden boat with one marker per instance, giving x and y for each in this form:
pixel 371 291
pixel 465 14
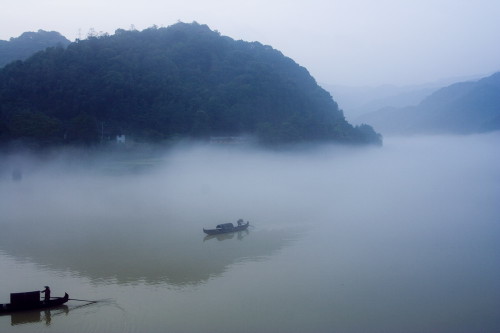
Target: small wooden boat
pixel 30 301
pixel 227 228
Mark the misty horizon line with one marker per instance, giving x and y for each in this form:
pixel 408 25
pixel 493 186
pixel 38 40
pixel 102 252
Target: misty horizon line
pixel 435 82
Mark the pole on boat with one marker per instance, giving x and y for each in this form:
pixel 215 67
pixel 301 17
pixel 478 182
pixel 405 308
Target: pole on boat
pixel 77 299
pixel 81 300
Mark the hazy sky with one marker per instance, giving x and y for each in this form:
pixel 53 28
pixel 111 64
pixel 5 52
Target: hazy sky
pixel 350 42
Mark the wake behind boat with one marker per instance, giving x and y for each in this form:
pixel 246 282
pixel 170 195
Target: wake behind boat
pixel 225 228
pixel 30 301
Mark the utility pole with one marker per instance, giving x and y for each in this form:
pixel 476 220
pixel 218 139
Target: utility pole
pixel 102 131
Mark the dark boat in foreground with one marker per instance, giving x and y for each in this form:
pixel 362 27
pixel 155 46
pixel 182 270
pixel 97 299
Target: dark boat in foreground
pixel 227 228
pixel 30 301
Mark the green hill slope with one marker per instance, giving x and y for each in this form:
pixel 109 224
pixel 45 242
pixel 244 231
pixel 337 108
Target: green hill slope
pixel 22 47
pixel 160 84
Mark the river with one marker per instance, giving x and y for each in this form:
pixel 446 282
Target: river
pixel 402 238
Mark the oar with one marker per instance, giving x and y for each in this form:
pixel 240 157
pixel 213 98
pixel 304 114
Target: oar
pixel 76 299
pixel 82 300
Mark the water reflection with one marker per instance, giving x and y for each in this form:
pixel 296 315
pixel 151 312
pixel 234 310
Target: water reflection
pixel 130 252
pixel 400 240
pixel 35 316
pixel 221 237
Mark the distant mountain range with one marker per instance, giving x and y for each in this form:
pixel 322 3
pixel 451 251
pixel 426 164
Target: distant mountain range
pixel 24 46
pixel 162 84
pixel 357 101
pixel 461 108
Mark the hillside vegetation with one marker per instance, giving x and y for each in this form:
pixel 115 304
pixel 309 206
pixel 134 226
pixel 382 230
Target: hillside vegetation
pixel 162 84
pixel 24 46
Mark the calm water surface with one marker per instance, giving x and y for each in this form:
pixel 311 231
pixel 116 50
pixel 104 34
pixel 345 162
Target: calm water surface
pixel 399 239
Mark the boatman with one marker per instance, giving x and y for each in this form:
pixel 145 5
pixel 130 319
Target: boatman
pixel 46 291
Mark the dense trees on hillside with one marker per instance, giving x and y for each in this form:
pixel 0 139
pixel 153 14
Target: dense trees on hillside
pixel 28 43
pixel 158 84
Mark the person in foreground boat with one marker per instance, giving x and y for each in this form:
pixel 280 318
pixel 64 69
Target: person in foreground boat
pixel 31 301
pixel 46 291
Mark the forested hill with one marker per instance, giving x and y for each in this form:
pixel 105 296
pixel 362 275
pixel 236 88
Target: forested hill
pixel 162 84
pixel 28 43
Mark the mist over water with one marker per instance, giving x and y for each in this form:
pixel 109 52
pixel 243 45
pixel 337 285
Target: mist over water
pixel 403 237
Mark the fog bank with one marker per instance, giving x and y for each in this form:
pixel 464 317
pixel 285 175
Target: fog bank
pixel 415 178
pixel 399 238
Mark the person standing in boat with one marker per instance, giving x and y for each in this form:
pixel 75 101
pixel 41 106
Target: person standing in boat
pixel 46 291
pixel 240 222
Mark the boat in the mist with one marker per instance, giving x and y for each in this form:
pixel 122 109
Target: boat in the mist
pixel 225 228
pixel 30 301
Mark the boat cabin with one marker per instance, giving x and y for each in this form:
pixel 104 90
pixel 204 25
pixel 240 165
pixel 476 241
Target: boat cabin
pixel 225 226
pixel 25 299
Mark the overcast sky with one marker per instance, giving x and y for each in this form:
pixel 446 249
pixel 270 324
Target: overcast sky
pixel 349 42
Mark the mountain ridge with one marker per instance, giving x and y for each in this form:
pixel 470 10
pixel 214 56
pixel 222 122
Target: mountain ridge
pixel 460 108
pixel 161 83
pixel 28 43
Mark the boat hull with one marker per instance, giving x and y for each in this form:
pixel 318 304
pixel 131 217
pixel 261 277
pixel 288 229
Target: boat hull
pixel 226 231
pixel 9 308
